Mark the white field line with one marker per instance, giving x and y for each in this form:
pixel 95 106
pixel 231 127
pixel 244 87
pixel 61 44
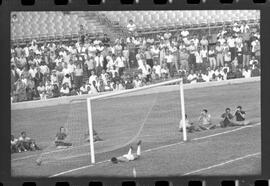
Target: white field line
pixel 85 154
pixel 224 163
pixel 156 148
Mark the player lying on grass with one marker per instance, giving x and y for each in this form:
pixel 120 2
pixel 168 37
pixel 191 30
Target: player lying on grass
pixel 129 156
pixel 95 136
pixel 25 143
pixel 227 119
pixel 60 139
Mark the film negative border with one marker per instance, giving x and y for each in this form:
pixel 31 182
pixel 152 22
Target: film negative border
pixel 15 5
pixel 131 2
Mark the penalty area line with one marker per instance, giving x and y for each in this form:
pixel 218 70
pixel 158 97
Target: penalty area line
pixel 161 147
pixel 223 163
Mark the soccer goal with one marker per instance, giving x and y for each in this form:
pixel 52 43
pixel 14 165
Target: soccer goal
pixel 101 125
pixel 125 92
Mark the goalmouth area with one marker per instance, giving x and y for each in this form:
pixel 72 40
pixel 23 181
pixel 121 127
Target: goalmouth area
pixel 222 151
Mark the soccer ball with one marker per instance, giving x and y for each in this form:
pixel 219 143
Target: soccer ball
pixel 38 161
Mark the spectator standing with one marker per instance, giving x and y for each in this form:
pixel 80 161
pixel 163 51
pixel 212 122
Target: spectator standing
pixel 246 54
pixel 78 75
pixel 120 63
pixel 219 54
pixel 184 56
pixel 212 58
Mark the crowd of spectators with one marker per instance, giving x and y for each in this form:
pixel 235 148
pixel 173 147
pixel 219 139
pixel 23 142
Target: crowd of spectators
pixel 89 66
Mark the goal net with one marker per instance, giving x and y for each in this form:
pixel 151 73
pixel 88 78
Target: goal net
pixel 118 119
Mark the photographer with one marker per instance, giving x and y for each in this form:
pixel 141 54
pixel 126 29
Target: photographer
pixel 226 118
pixel 240 117
pixel 205 122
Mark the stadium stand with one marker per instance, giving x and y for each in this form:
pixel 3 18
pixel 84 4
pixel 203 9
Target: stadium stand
pixel 55 53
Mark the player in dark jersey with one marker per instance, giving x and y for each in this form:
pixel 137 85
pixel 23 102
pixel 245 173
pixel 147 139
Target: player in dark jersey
pixel 226 118
pixel 60 139
pixel 240 117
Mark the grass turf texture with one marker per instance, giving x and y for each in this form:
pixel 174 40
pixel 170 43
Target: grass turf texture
pixel 118 120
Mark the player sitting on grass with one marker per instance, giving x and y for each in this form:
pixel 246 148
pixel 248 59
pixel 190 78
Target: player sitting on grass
pixel 26 143
pixel 95 136
pixel 205 122
pixel 60 139
pixel 240 117
pixel 189 125
pixel 228 118
pixel 129 156
pixel 16 145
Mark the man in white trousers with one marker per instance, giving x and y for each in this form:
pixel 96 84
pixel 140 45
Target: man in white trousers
pixel 129 156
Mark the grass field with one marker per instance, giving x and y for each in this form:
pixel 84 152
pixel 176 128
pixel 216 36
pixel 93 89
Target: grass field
pixel 153 118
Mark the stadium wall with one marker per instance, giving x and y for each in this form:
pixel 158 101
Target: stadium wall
pixel 67 99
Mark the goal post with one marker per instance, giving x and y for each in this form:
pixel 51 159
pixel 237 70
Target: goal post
pixel 89 109
pixel 183 113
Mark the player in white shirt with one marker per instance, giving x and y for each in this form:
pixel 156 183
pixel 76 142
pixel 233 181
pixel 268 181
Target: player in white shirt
pixel 129 156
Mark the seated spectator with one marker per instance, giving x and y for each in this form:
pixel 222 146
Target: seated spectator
pixel 164 71
pixel 206 76
pixel 65 91
pixel 205 122
pixel 137 82
pixel 94 88
pixel 67 80
pixel 129 83
pixel 253 61
pixel 246 72
pixel 200 76
pixel 101 86
pixel 119 86
pixel 55 91
pixel 108 86
pixel 27 142
pixel 73 90
pixel 238 73
pixel 83 88
pixel 256 71
pixel 49 87
pixel 192 77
